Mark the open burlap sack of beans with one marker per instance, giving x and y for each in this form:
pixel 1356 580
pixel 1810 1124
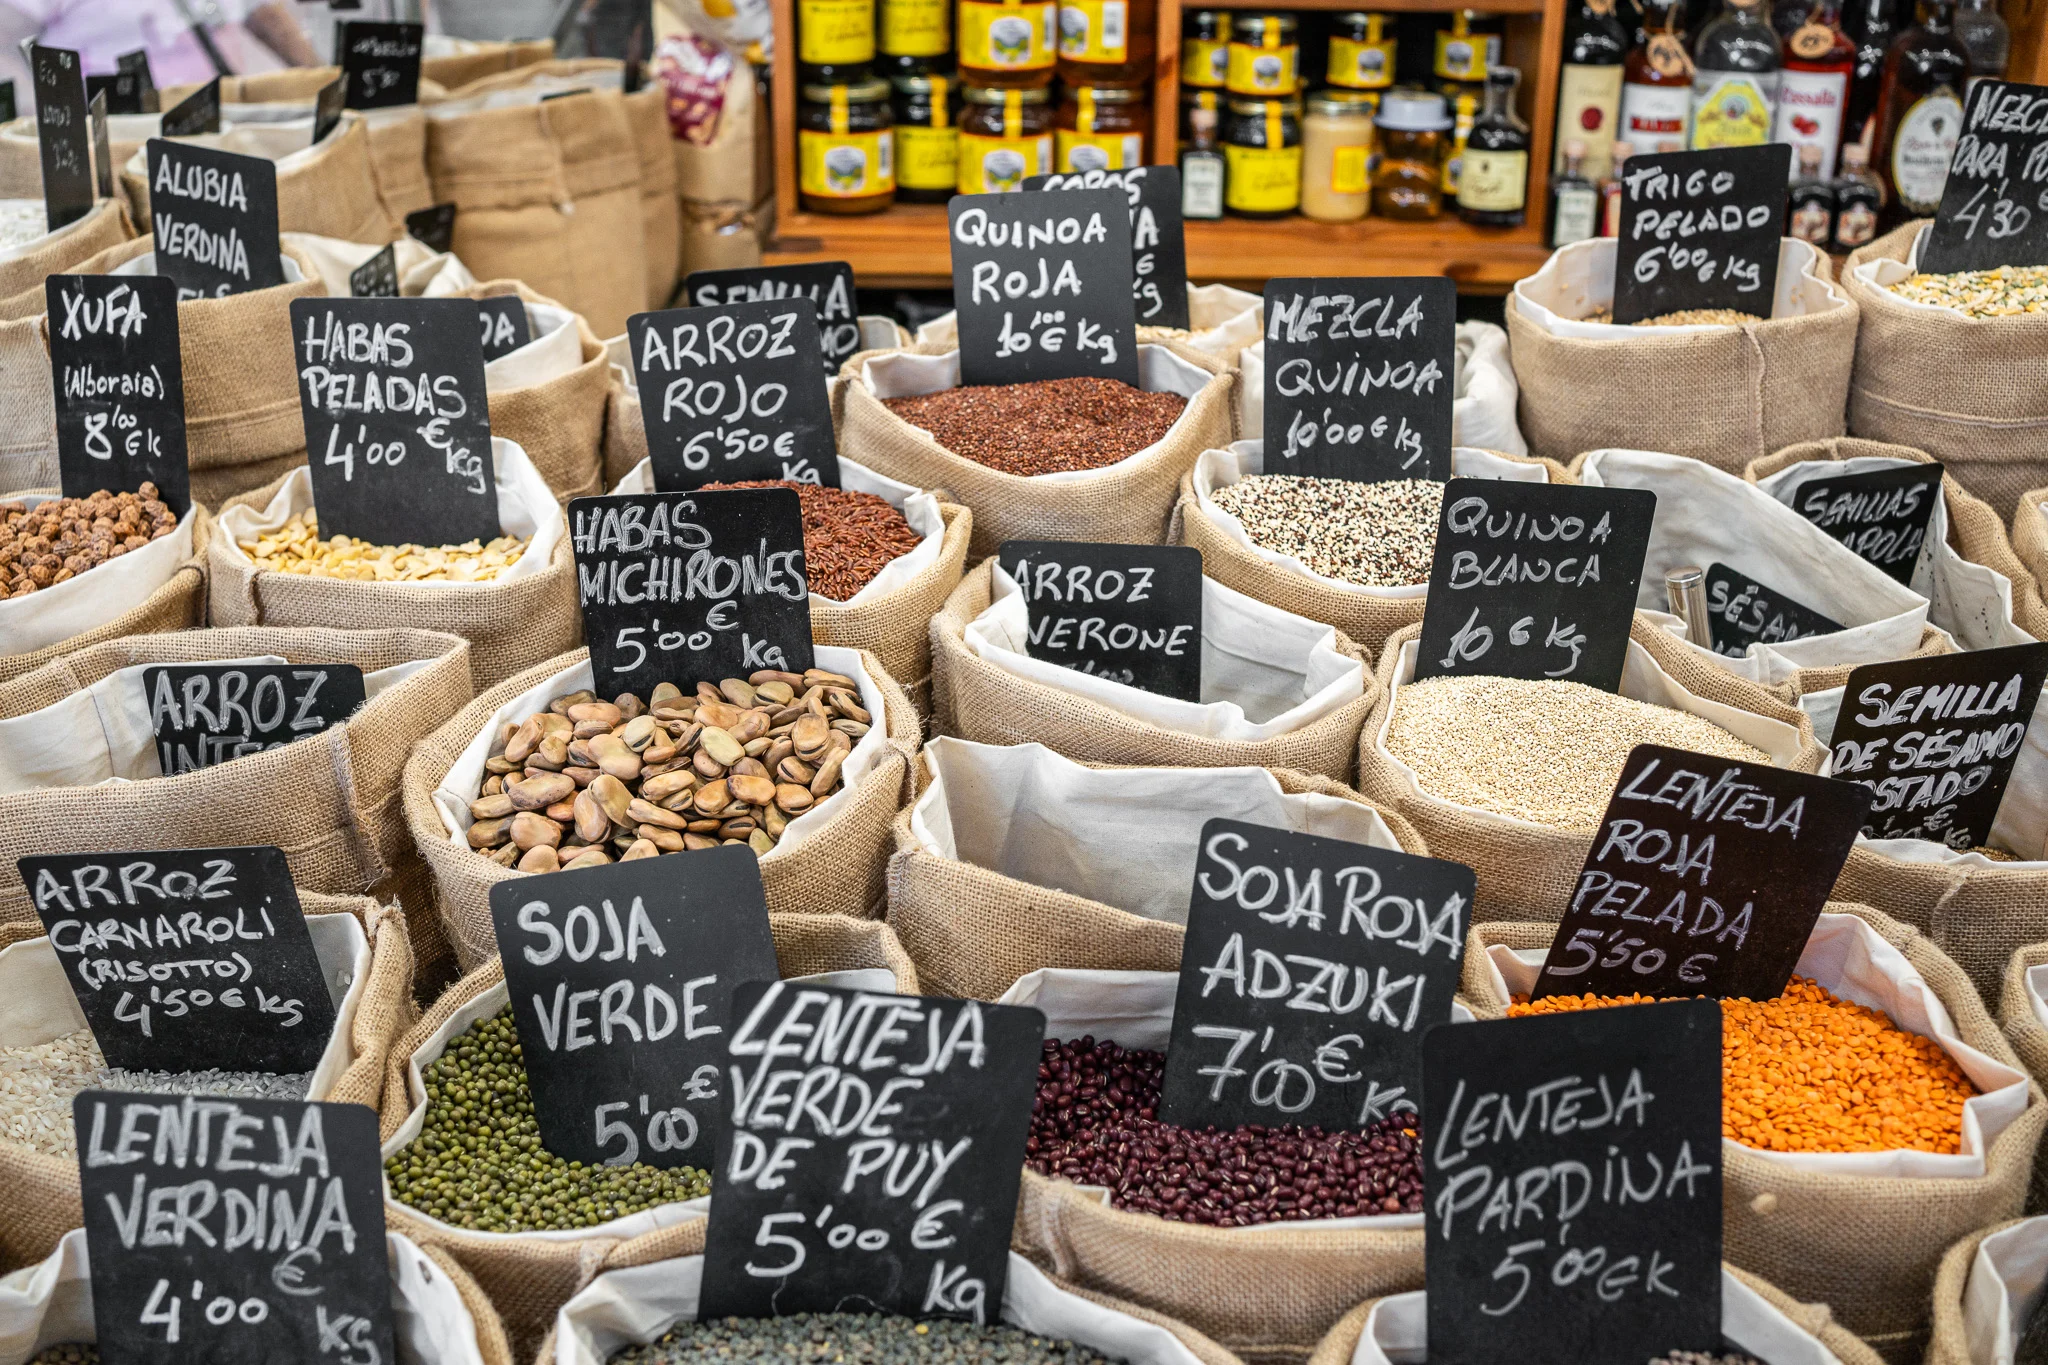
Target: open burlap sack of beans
pixel 1222 321
pixel 1719 393
pixel 1278 690
pixel 2023 1014
pixel 329 188
pixel 1986 1293
pixel 23 267
pixel 452 63
pixel 1790 1211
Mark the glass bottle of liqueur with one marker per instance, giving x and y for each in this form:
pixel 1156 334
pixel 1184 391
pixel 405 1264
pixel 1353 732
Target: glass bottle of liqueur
pixel 1859 200
pixel 1920 114
pixel 1574 203
pixel 1735 77
pixel 1493 186
pixel 1985 37
pixel 1813 92
pixel 1610 191
pixel 1465 52
pixel 1589 87
pixel 1871 25
pixel 1656 90
pixel 1810 206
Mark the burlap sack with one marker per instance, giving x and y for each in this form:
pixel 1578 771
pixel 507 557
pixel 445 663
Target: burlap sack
pixel 1725 395
pixel 452 63
pixel 23 268
pixel 21 153
pixel 559 421
pixel 1986 1292
pixel 661 215
pixel 1126 503
pixel 331 189
pixel 2030 548
pixel 2027 1030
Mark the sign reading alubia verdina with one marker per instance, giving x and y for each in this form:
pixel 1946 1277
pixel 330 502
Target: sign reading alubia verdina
pixel 1700 230
pixel 1042 286
pixel 214 216
pixel 1994 204
pixel 120 385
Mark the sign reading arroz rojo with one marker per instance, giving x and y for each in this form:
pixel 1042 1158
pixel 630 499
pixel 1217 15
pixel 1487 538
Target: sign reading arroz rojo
pixel 1042 286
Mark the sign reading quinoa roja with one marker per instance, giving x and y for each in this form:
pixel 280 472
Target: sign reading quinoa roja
pixel 214 214
pixel 198 112
pixel 829 284
pixel 204 714
pixel 1881 514
pixel 1534 580
pixel 1994 204
pixel 1705 878
pixel 676 586
pixel 120 385
pixel 1128 613
pixel 1042 286
pixel 1700 230
pixel 187 959
pixel 1159 253
pixel 1572 1182
pixel 63 139
pixel 1742 612
pixel 734 393
pixel 872 1154
pixel 1935 740
pixel 234 1231
pixel 1360 377
pixel 380 63
pixel 1311 970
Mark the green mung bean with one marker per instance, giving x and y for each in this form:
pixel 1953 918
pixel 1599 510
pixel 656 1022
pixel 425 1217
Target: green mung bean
pixel 855 1339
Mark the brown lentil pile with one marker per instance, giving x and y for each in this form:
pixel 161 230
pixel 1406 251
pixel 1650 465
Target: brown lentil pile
pixel 1377 535
pixel 1049 426
pixel 73 1353
pixel 848 537
pixel 2004 292
pixel 1093 1124
pixel 1685 317
pixel 855 1339
pixel 58 540
pixel 296 548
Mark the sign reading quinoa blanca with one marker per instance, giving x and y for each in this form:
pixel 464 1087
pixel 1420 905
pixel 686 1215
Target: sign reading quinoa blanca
pixel 214 214
pixel 1128 613
pixel 1360 377
pixel 398 429
pixel 872 1156
pixel 64 141
pixel 828 284
pixel 1705 878
pixel 1881 514
pixel 1311 971
pixel 1994 204
pixel 120 385
pixel 1042 285
pixel 204 714
pixel 380 63
pixel 234 1231
pixel 1534 580
pixel 1700 230
pixel 734 393
pixel 187 959
pixel 1572 1182
pixel 198 112
pixel 676 586
pixel 505 325
pixel 1742 612
pixel 1159 253
pixel 1935 739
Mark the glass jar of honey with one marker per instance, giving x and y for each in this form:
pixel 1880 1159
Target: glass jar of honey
pixel 1107 42
pixel 1412 134
pixel 1264 58
pixel 1007 42
pixel 845 157
pixel 927 116
pixel 1100 128
pixel 1005 136
pixel 1262 158
pixel 1204 49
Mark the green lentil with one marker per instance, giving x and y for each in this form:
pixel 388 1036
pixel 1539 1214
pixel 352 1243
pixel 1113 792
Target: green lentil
pixel 854 1339
pixel 73 1353
pixel 478 1161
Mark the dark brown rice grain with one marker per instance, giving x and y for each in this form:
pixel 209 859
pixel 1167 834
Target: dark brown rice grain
pixel 1049 426
pixel 848 537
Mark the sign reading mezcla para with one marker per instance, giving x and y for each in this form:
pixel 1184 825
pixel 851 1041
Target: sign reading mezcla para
pixel 1993 211
pixel 214 214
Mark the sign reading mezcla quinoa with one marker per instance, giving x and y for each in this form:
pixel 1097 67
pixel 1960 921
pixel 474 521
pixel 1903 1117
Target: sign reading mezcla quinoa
pixel 1705 878
pixel 1880 514
pixel 1700 230
pixel 214 214
pixel 380 63
pixel 120 385
pixel 204 714
pixel 1042 286
pixel 63 140
pixel 1159 252
pixel 1359 377
pixel 829 284
pixel 1128 613
pixel 1994 204
pixel 187 959
pixel 1742 612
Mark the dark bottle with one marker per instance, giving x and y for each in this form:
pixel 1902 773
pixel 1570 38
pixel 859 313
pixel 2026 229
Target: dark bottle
pixel 1984 35
pixel 1589 87
pixel 1656 90
pixel 1810 205
pixel 1920 114
pixel 1736 72
pixel 1871 26
pixel 1202 168
pixel 1493 187
pixel 1574 202
pixel 1859 200
pixel 1814 90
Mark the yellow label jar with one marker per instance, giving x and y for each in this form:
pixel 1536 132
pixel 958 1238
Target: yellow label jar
pixel 1361 51
pixel 1010 43
pixel 835 35
pixel 1100 129
pixel 1264 60
pixel 1204 49
pixel 927 110
pixel 1336 149
pixel 1469 48
pixel 916 28
pixel 1005 136
pixel 845 155
pixel 1262 158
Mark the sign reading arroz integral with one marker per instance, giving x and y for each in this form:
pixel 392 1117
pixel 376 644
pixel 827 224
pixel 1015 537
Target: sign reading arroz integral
pixel 379 62
pixel 214 214
pixel 873 1154
pixel 234 1231
pixel 1705 878
pixel 1700 230
pixel 1129 613
pixel 733 393
pixel 828 284
pixel 680 586
pixel 1042 286
pixel 1994 204
pixel 1573 1185
pixel 1742 612
pixel 187 959
pixel 1360 376
pixel 61 134
pixel 1311 971
pixel 120 385
pixel 1159 252
pixel 621 980
pixel 204 714
pixel 1881 514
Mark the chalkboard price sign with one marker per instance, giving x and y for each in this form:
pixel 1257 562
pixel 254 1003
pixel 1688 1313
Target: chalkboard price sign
pixel 1881 514
pixel 64 141
pixel 829 284
pixel 102 147
pixel 124 90
pixel 1042 285
pixel 187 959
pixel 380 63
pixel 1311 970
pixel 1705 878
pixel 1742 612
pixel 1128 613
pixel 1159 253
pixel 908 1213
pixel 432 227
pixel 120 385
pixel 1534 580
pixel 376 278
pixel 214 214
pixel 1700 230
pixel 198 112
pixel 506 326
pixel 1360 374
pixel 204 714
pixel 327 108
pixel 1994 204
pixel 7 109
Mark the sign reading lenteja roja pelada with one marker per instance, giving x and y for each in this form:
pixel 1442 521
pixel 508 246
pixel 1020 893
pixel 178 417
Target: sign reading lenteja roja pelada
pixel 1128 613
pixel 828 284
pixel 214 216
pixel 1159 253
pixel 1311 970
pixel 204 714
pixel 1572 1184
pixel 1880 514
pixel 119 382
pixel 1042 286
pixel 1742 612
pixel 1700 230
pixel 1994 204
pixel 871 1156
pixel 1705 878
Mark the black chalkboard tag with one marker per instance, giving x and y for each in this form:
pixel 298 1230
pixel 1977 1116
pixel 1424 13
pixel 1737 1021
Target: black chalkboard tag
pixel 1128 613
pixel 398 428
pixel 677 587
pixel 198 112
pixel 1159 253
pixel 8 111
pixel 1742 612
pixel 621 980
pixel 1602 1262
pixel 506 326
pixel 432 227
pixel 1934 740
pixel 187 959
pixel 1882 514
pixel 1700 230
pixel 1705 878
pixel 1311 970
pixel 910 1216
pixel 206 714
pixel 327 108
pixel 214 214
pixel 66 142
pixel 138 62
pixel 734 393
pixel 1534 580
pixel 1042 286
pixel 123 89
pixel 829 284
pixel 380 63
pixel 1360 377
pixel 1993 202
pixel 119 382
pixel 313 1284
pixel 376 278
pixel 102 147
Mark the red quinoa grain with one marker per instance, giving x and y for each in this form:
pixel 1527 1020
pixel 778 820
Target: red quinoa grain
pixel 848 537
pixel 1049 426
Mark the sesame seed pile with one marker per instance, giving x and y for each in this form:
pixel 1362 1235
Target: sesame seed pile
pixel 2004 292
pixel 1049 426
pixel 1377 535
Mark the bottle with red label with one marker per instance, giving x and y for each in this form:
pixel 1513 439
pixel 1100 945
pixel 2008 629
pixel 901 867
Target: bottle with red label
pixel 1813 93
pixel 1656 92
pixel 1589 85
pixel 1920 114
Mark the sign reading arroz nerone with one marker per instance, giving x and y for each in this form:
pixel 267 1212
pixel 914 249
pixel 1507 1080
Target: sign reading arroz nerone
pixel 187 959
pixel 1359 377
pixel 1700 230
pixel 621 980
pixel 398 428
pixel 1159 252
pixel 1994 204
pixel 1573 1185
pixel 214 214
pixel 1881 514
pixel 828 284
pixel 1742 612
pixel 204 714
pixel 734 393
pixel 63 140
pixel 1129 613
pixel 676 586
pixel 872 1156
pixel 120 385
pixel 1705 878
pixel 1042 286
pixel 1934 740
pixel 1535 580
pixel 234 1231
pixel 1311 971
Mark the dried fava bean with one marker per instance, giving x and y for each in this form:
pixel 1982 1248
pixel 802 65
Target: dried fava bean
pixel 57 540
pixel 855 1339
pixel 848 537
pixel 1047 426
pixel 1377 535
pixel 296 548
pixel 2004 292
pixel 72 1353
